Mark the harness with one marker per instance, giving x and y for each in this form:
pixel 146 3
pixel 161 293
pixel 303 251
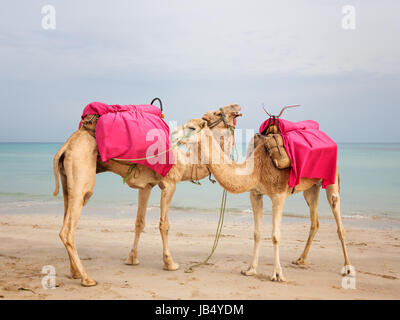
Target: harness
pixel 274 121
pixel 221 119
pixel 90 121
pixel 213 125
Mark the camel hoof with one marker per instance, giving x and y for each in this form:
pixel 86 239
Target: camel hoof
pixel 171 267
pixel 88 283
pixel 277 277
pixel 348 270
pixel 249 272
pixel 299 262
pixel 132 261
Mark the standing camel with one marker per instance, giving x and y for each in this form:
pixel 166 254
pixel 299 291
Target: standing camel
pixel 77 162
pixel 258 175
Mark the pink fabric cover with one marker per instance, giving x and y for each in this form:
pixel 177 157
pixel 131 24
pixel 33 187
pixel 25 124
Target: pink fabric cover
pixel 312 153
pixel 132 132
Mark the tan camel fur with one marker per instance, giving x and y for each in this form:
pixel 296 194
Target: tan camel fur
pixel 77 162
pixel 259 176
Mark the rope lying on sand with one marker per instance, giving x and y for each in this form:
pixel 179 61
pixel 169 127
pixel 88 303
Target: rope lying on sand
pixel 219 226
pixel 217 234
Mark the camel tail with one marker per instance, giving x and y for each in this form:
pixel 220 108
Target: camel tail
pixel 56 161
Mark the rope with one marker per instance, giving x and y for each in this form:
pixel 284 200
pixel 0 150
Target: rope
pixel 217 234
pixel 165 151
pixel 219 228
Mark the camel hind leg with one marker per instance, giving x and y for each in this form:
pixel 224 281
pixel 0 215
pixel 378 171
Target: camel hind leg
pixel 80 171
pixel 67 235
pixel 144 195
pixel 312 197
pixel 74 270
pixel 332 193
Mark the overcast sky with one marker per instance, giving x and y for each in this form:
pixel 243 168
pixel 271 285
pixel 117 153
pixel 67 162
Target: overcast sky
pixel 201 55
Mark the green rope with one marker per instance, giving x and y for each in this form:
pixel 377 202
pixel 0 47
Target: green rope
pixel 217 234
pixel 133 166
pixel 219 226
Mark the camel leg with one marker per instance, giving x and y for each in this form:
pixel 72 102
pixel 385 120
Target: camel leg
pixel 312 197
pixel 332 193
pixel 277 208
pixel 74 271
pixel 166 197
pixel 257 205
pixel 144 195
pixel 67 234
pixel 80 171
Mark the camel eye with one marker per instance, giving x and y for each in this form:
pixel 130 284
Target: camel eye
pixel 191 128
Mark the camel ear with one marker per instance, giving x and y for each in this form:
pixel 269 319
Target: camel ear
pixel 202 124
pixel 218 113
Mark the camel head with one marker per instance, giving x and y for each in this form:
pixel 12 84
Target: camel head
pixel 215 118
pixel 90 122
pixel 187 134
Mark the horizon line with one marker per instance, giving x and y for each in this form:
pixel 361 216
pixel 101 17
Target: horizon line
pixel 353 142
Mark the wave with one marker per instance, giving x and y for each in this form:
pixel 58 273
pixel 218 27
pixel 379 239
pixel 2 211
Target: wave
pixel 25 195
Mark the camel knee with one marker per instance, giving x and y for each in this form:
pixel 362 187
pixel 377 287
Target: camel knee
pixel 139 226
pixel 257 236
pixel 275 238
pixel 341 233
pixel 63 236
pixel 87 197
pixel 333 200
pixel 314 226
pixel 67 238
pixel 164 226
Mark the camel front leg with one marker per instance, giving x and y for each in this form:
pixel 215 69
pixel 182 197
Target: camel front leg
pixel 143 198
pixel 166 197
pixel 277 209
pixel 311 196
pixel 332 193
pixel 257 205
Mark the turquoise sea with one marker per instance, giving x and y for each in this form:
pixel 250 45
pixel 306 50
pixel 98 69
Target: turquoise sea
pixel 370 187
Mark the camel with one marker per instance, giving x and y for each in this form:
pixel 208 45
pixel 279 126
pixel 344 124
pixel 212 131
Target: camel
pixel 259 176
pixel 77 162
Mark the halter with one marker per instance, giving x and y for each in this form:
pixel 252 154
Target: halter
pixel 221 119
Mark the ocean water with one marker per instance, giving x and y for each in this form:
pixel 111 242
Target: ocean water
pixel 370 186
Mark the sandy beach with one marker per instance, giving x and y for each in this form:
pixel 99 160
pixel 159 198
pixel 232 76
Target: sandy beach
pixel 29 242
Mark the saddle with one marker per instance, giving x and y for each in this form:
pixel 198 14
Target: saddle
pixel 274 145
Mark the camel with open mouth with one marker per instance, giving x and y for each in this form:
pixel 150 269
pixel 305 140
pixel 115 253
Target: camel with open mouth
pixel 77 163
pixel 258 175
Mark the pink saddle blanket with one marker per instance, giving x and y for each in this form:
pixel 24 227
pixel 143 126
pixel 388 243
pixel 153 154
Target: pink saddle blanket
pixel 312 153
pixel 133 132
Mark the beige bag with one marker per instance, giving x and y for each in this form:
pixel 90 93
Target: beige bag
pixel 277 152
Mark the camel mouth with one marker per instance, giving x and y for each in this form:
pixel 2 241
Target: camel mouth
pixel 237 114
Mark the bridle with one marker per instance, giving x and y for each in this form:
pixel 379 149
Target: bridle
pixel 221 119
pixel 211 126
pixel 90 121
